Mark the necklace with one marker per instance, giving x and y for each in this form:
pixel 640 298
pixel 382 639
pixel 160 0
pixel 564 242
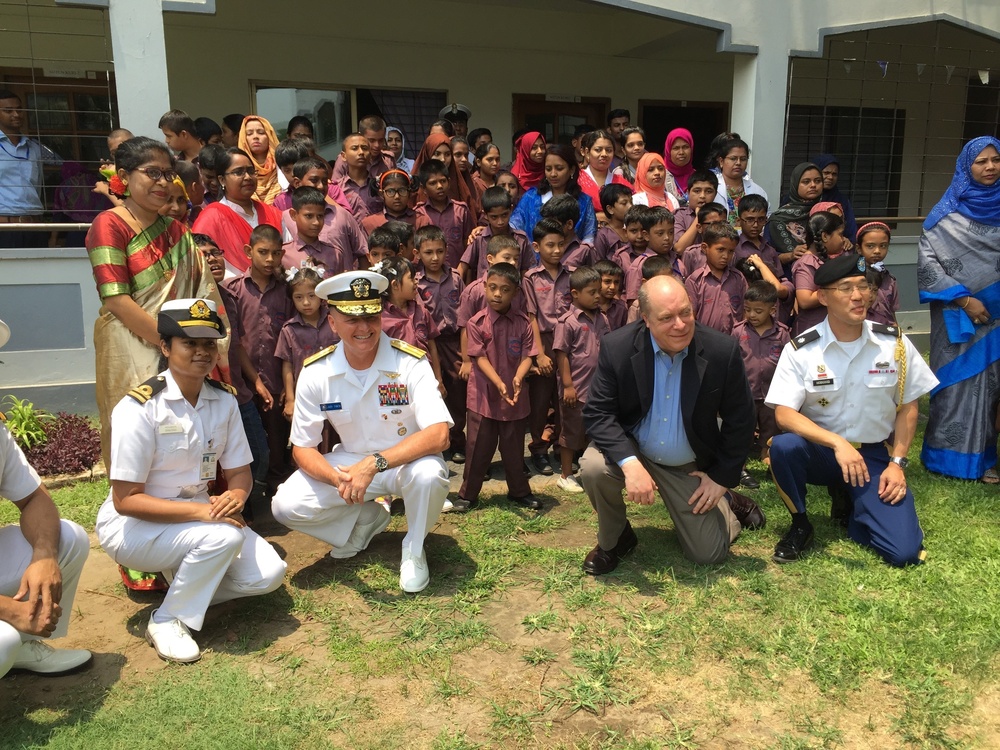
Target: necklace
pixel 142 229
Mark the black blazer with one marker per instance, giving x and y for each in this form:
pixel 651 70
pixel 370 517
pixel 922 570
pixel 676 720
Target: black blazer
pixel 714 387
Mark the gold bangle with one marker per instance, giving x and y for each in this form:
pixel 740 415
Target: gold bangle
pixel 968 299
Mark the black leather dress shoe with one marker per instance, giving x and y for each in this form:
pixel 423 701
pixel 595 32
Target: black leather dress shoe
pixel 747 480
pixel 600 561
pixel 747 512
pixel 540 462
pixel 796 541
pixel 528 501
pixel 461 505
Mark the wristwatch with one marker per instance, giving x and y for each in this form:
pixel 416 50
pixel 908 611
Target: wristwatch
pixel 380 463
pixel 901 461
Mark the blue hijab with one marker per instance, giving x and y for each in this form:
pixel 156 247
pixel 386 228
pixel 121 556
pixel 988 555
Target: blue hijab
pixel 981 203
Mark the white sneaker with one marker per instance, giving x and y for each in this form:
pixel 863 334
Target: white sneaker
pixel 172 641
pixel 41 658
pixel 569 484
pixel 372 521
pixel 413 573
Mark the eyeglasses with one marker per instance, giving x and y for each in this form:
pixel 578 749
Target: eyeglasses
pixel 862 288
pixel 753 219
pixel 394 192
pixel 156 174
pixel 738 159
pixel 212 253
pixel 242 172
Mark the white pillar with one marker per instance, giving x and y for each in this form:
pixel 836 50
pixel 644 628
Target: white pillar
pixel 140 58
pixel 760 98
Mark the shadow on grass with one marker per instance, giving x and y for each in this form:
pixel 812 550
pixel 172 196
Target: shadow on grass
pixel 45 705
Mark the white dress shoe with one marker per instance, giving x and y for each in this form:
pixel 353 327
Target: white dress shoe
pixel 372 521
pixel 414 574
pixel 172 641
pixel 41 658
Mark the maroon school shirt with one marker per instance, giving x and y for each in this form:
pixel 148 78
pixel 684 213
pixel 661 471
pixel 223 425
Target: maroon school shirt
pixel 261 315
pixel 366 203
pixel 374 221
pixel 883 309
pixel 617 313
pixel 299 340
pixel 299 254
pixel 473 300
pixel 683 219
pixel 412 324
pixel 455 221
pixel 578 336
pixel 803 276
pixel 504 339
pixel 693 258
pixel 577 254
pixel 441 297
pixel 760 353
pixel 340 229
pixel 546 298
pixel 475 254
pixel 243 391
pixel 633 276
pixel 717 302
pixel 624 257
pixel 606 243
pixel 745 248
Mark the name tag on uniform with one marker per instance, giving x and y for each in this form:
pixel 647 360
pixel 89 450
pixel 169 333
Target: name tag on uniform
pixel 209 465
pixel 170 429
pixel 823 381
pixel 393 394
pixel 336 406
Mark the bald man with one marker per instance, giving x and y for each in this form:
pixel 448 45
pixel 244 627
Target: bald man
pixel 669 410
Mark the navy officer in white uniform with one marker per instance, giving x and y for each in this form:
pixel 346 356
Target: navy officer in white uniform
pixel 382 397
pixel 845 394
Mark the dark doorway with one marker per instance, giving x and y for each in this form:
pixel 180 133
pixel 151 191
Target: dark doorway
pixel 556 120
pixel 705 120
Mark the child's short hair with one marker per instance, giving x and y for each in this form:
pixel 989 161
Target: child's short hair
pixel 656 265
pixel 716 231
pixel 496 197
pixel 209 156
pixel 385 239
pixel 752 202
pixel 394 268
pixel 265 233
pixel 205 128
pixel 299 121
pixel 233 121
pixel 611 194
pixel 476 133
pixel 606 267
pixel 505 271
pixel 654 215
pixel 297 276
pixel 634 215
pixel 306 164
pixel 432 168
pixel 370 123
pixel 289 151
pixel 703 175
pixel 711 208
pixel 204 239
pixel 583 277
pixel 402 231
pixel 761 291
pixel 429 233
pixel 188 172
pixel 307 196
pixel 562 208
pixel 499 242
pixel 545 227
pixel 176 121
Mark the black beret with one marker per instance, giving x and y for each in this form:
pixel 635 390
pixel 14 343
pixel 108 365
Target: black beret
pixel 842 267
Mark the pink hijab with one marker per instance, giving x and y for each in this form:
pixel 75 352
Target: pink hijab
pixel 527 172
pixel 825 206
pixel 680 174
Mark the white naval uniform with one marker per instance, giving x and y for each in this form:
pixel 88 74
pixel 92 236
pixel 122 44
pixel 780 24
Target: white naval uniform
pixel 163 444
pixel 17 481
pixel 372 411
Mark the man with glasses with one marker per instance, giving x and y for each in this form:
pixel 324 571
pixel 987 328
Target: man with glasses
pixel 845 395
pixel 21 162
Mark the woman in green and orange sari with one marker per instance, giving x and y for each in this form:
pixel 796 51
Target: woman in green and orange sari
pixel 140 260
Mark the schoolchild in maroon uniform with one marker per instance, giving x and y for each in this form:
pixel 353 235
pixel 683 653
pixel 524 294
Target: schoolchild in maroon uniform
pixel 307 249
pixel 717 289
pixel 616 200
pixel 309 169
pixel 824 240
pixel 577 343
pixel 286 154
pixel 761 337
pixel 440 288
pixel 356 154
pixel 394 188
pixel 873 244
pixel 497 207
pixel 381 245
pixel 657 265
pixel 636 244
pixel 453 217
pixel 561 209
pixel 262 307
pixel 501 345
pixel 752 218
pixel 612 305
pixel 658 231
pixel 404 233
pixel 547 293
pixel 694 257
pixel 702 188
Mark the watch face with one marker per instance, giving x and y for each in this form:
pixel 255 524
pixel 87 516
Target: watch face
pixel 901 462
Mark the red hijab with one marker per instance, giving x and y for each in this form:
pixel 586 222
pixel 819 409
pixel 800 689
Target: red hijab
pixel 527 172
pixel 458 189
pixel 680 174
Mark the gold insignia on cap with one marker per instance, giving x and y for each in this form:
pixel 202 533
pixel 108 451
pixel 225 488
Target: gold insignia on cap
pixel 200 311
pixel 362 288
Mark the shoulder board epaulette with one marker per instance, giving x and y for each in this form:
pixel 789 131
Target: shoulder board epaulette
pixel 888 330
pixel 806 338
pixel 221 386
pixel 142 393
pixel 413 351
pixel 319 355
